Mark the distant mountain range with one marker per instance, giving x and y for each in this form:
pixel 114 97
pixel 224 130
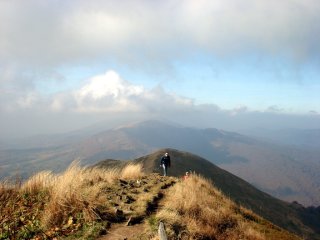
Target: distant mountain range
pixel 291 216
pixel 286 172
pixel 301 138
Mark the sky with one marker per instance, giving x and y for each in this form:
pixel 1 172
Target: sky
pixel 228 64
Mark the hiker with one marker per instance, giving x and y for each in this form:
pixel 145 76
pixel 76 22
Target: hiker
pixel 165 163
pixel 185 177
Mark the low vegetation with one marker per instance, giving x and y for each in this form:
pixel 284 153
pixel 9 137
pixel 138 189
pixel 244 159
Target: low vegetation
pixel 195 209
pixel 49 205
pixel 84 203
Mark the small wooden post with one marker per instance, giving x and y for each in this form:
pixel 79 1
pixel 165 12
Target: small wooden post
pixel 162 232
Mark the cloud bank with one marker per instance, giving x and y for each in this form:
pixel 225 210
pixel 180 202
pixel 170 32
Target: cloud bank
pixel 60 32
pixel 110 93
pixel 108 97
pixel 40 39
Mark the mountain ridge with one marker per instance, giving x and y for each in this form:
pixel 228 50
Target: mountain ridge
pixel 126 203
pixel 245 157
pixel 287 173
pixel 292 217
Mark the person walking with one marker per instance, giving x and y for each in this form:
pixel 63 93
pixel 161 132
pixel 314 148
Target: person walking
pixel 186 176
pixel 165 163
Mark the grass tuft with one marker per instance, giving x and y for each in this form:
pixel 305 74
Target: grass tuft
pixel 38 182
pixel 75 193
pixel 132 171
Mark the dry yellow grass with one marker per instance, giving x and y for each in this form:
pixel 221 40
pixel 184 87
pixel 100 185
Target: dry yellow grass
pixel 40 181
pixel 49 204
pixel 4 187
pixel 132 171
pixel 78 191
pixel 194 209
pixel 62 203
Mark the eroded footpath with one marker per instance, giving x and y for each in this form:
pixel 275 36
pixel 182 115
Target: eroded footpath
pixel 135 203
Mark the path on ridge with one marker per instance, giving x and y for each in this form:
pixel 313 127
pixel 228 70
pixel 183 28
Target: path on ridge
pixel 151 190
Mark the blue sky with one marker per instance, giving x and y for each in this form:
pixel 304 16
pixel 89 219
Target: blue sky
pixel 105 60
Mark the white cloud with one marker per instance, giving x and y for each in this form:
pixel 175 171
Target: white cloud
pixel 107 92
pixel 62 102
pixel 59 32
pixel 109 84
pixel 99 94
pixel 108 96
pixel 238 110
pixel 38 38
pixel 28 100
pixel 110 93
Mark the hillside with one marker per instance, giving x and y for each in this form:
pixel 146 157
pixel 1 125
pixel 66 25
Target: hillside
pixel 293 217
pixel 302 138
pixel 287 173
pixel 125 203
pixel 295 174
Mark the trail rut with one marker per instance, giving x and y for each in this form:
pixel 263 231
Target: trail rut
pixel 135 225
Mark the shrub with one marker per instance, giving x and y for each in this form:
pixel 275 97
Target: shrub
pixel 75 193
pixel 132 171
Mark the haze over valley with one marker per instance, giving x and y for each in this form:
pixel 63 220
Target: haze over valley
pixel 287 172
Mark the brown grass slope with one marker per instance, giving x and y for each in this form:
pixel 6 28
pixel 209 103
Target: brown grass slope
pixel 195 209
pixel 85 203
pixel 80 203
pixel 293 217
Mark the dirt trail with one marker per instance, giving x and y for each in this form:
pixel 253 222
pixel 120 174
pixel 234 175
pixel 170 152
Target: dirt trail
pixel 131 228
pixel 120 231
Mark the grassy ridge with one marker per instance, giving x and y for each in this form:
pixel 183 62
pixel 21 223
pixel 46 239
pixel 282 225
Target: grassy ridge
pixel 83 203
pixel 302 221
pixel 195 209
pixel 49 205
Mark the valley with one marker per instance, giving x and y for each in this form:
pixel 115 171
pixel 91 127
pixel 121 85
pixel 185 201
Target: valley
pixel 286 172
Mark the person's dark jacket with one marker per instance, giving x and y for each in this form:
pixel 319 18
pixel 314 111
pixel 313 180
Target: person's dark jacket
pixel 166 161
